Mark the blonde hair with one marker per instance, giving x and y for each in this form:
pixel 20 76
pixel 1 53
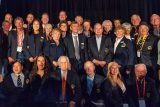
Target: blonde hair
pixel 109 75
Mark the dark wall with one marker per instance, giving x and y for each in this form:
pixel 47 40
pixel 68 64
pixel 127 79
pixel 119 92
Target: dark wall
pixel 96 10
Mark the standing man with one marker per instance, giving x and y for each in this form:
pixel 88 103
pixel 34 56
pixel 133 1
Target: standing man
pixel 99 49
pixel 75 45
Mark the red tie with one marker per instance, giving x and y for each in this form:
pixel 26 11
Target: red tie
pixel 63 86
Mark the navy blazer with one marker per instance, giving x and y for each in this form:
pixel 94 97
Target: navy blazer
pixel 125 54
pixel 12 43
pixel 105 52
pixel 113 95
pixel 52 51
pixel 34 45
pixel 96 93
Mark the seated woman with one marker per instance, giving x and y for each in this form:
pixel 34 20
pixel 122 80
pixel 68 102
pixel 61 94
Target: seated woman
pixel 113 87
pixel 38 75
pixel 55 49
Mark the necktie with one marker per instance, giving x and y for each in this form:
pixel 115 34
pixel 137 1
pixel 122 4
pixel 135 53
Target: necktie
pixel 89 85
pixel 19 82
pixel 63 86
pixel 76 48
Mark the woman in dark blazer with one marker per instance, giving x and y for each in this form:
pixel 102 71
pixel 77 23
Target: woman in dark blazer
pixel 113 87
pixel 35 42
pixel 55 49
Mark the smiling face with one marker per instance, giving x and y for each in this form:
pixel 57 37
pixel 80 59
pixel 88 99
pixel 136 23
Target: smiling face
pixel 41 63
pixel 36 25
pixel 143 30
pixel 19 24
pixel 17 67
pixel 119 32
pixel 62 16
pixel 56 35
pixel 98 29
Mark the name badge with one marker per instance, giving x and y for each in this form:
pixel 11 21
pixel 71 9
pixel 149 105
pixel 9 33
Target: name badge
pixel 19 49
pixel 138 54
pixel 142 103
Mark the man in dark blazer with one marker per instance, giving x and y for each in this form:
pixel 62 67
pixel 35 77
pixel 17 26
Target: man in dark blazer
pixel 15 87
pixel 142 89
pixel 65 85
pixel 17 42
pixel 99 49
pixel 4 47
pixel 91 83
pixel 146 46
pixel 75 46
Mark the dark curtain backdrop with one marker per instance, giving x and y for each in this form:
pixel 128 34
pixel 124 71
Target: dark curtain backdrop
pixel 96 10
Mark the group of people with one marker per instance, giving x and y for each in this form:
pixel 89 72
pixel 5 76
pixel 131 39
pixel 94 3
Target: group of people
pixel 71 64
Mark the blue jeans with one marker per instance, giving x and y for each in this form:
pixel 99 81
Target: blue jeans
pixel 3 66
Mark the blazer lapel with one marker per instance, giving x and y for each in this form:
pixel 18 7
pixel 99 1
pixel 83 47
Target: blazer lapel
pixel 102 43
pixel 95 44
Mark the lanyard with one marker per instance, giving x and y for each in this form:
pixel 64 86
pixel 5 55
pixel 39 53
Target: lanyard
pixel 144 86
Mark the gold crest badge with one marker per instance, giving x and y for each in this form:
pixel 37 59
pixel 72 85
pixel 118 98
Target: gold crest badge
pixel 98 90
pixel 123 45
pixel 27 81
pixel 149 47
pixel 106 50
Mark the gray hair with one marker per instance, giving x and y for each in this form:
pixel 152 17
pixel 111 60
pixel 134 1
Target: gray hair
pixel 18 18
pixel 141 64
pixel 126 24
pixel 108 22
pixel 59 59
pixel 136 15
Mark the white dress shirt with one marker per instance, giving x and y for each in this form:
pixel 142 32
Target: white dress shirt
pixel 116 43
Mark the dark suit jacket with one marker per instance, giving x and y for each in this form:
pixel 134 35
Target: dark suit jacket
pixel 151 94
pixel 125 54
pixel 53 87
pixel 104 54
pixel 12 43
pixel 96 93
pixel 113 95
pixel 34 45
pixel 70 51
pixel 15 95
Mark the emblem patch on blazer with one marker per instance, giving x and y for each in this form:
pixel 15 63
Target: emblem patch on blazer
pixel 149 47
pixel 98 90
pixel 106 50
pixel 82 45
pixel 73 88
pixel 123 45
pixel 27 81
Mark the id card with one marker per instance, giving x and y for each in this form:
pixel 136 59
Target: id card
pixel 138 54
pixel 19 49
pixel 142 103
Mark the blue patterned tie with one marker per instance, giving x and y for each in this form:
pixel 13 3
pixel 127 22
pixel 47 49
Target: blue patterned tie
pixel 89 85
pixel 19 82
